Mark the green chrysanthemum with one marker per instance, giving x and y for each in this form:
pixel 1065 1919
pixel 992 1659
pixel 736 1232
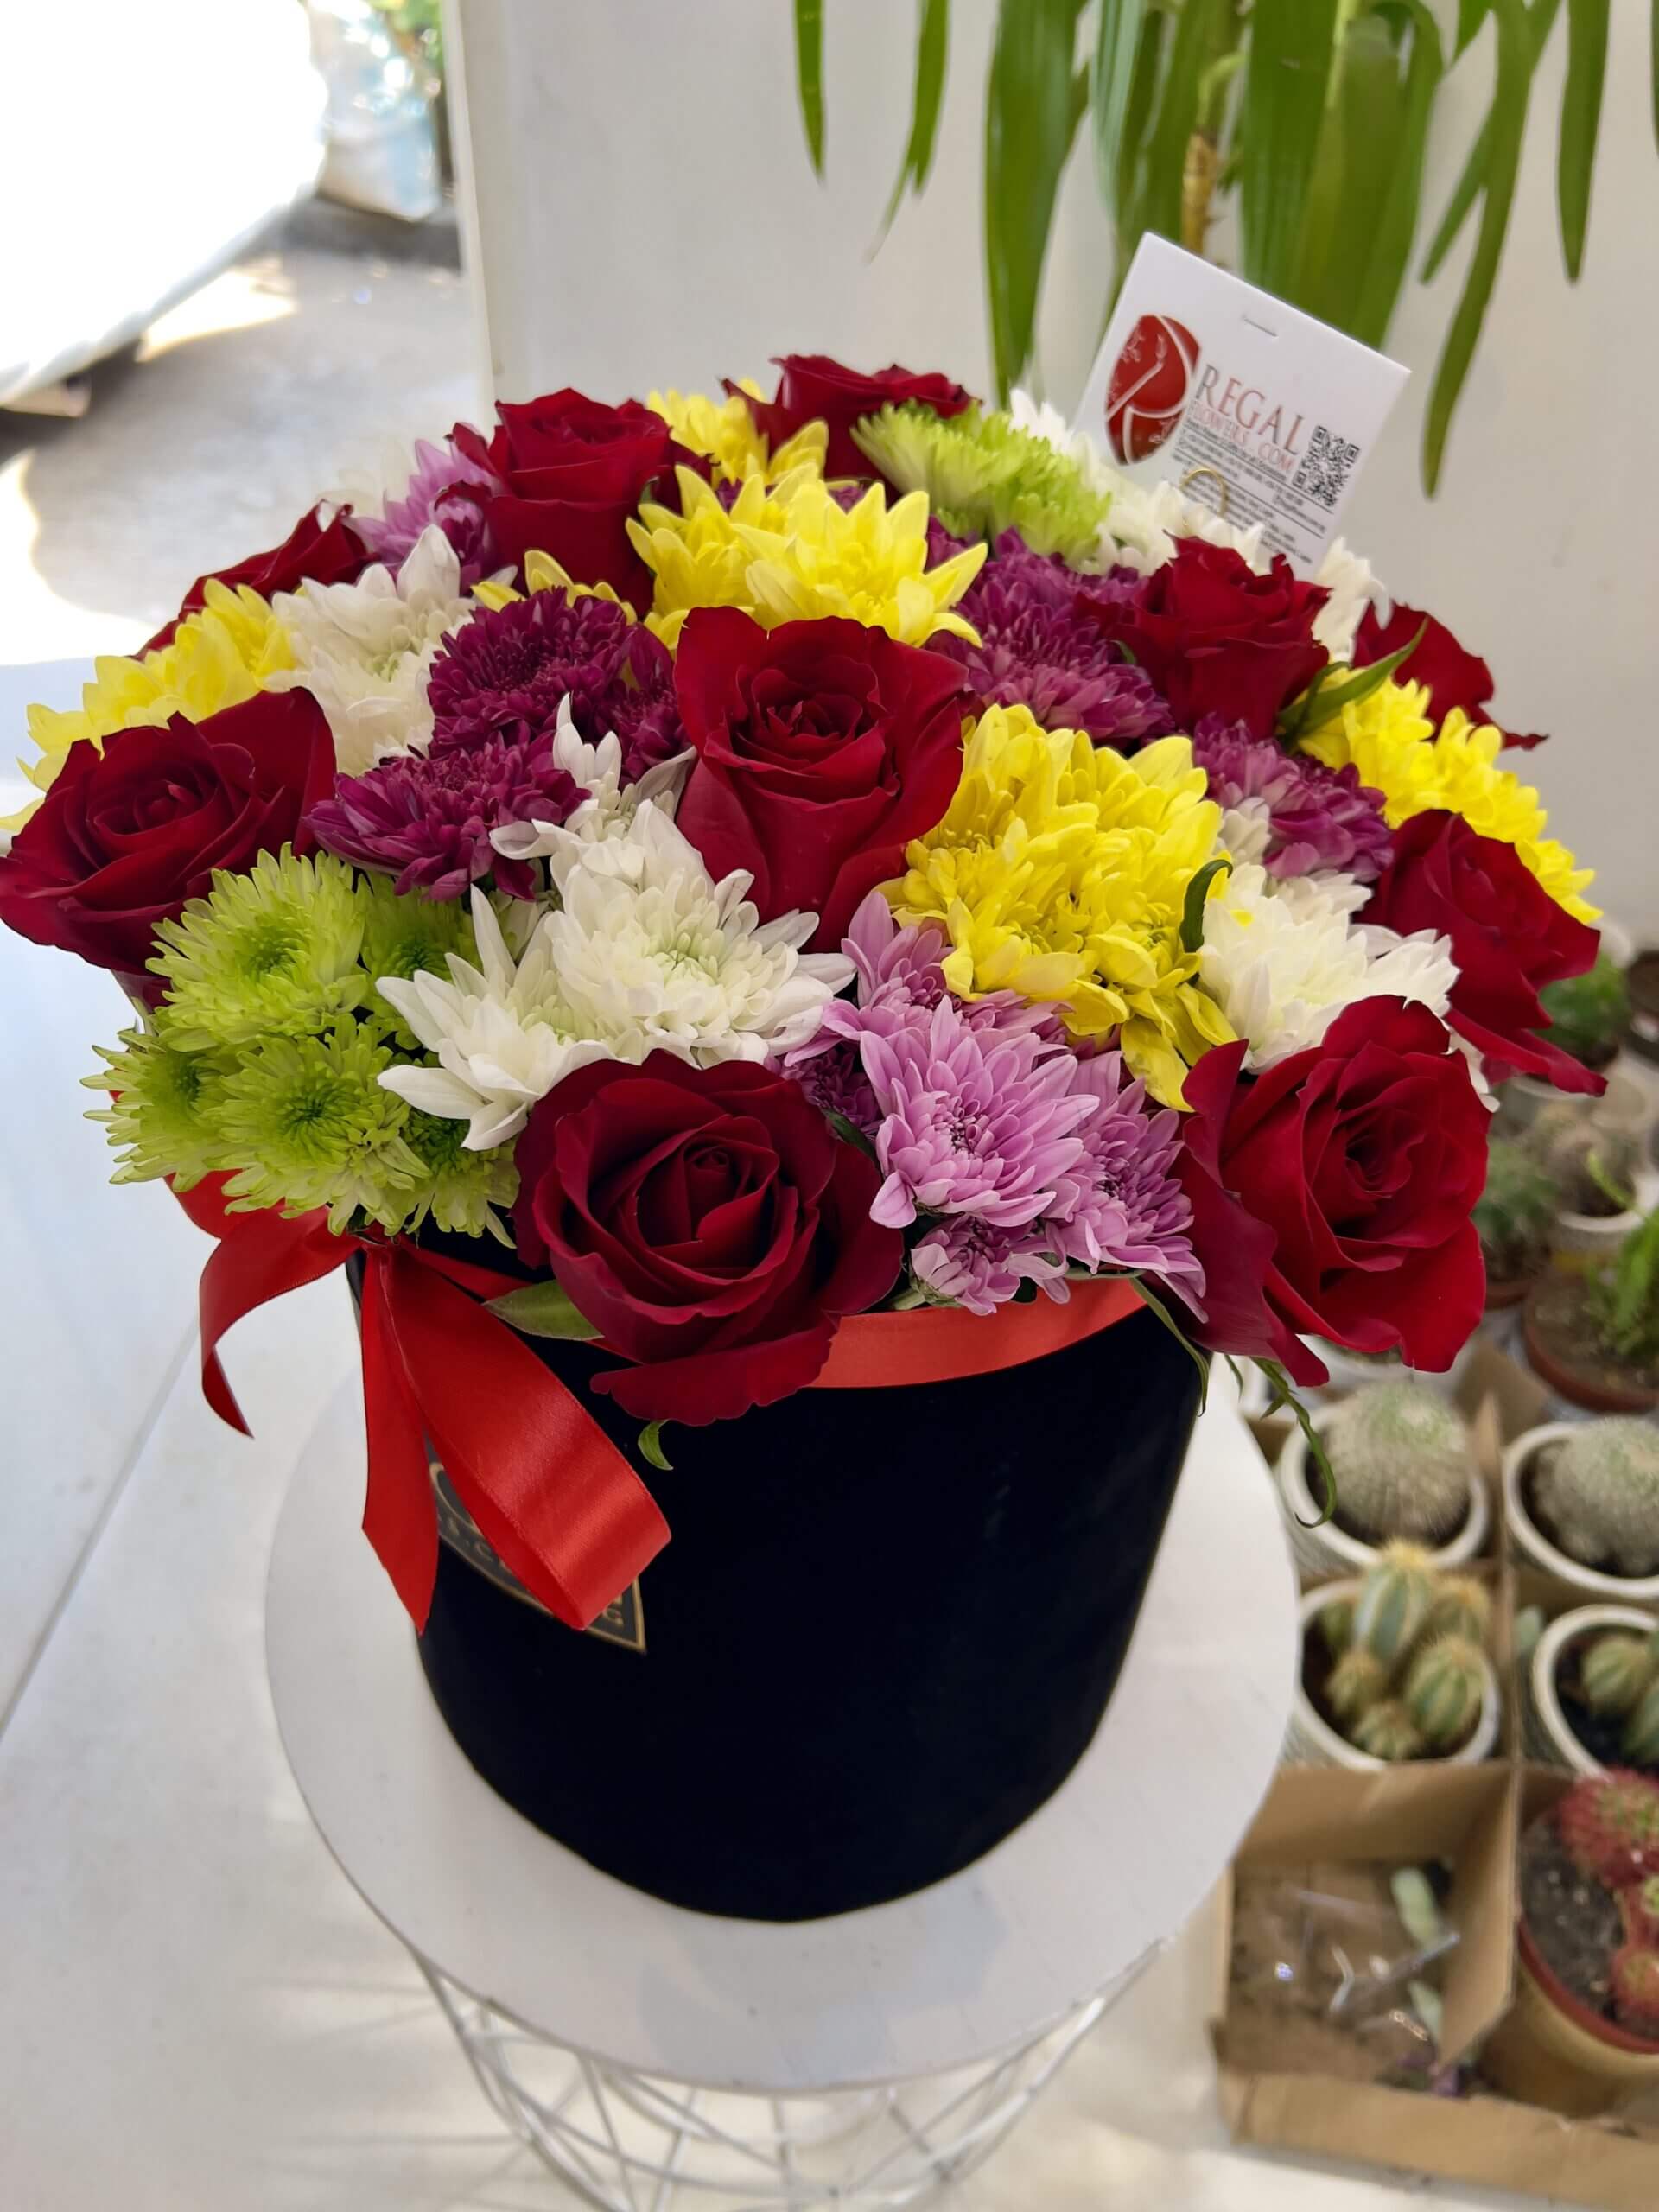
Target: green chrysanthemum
pixel 460 1190
pixel 403 935
pixel 983 476
pixel 272 953
pixel 308 1113
pixel 163 1115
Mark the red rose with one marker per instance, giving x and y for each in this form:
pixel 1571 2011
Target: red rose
pixel 125 836
pixel 573 472
pixel 314 552
pixel 706 1223
pixel 1508 937
pixel 1365 1158
pixel 823 748
pixel 815 389
pixel 1455 676
pixel 1215 637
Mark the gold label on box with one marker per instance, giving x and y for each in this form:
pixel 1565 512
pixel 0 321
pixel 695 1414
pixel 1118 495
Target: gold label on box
pixel 623 1620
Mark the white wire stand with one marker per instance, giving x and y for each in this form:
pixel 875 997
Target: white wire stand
pixel 653 2057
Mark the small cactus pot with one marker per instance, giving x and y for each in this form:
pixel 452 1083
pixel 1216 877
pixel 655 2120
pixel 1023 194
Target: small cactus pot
pixel 1329 1550
pixel 1349 1371
pixel 1529 1543
pixel 1311 1741
pixel 1547 1732
pixel 1578 1242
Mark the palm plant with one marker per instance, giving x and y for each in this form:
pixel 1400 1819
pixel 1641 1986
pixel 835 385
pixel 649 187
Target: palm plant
pixel 1309 119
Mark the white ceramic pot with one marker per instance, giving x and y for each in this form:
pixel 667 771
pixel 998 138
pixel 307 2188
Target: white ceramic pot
pixel 1350 1372
pixel 1311 1740
pixel 1328 1550
pixel 1531 1544
pixel 1580 1241
pixel 1548 1731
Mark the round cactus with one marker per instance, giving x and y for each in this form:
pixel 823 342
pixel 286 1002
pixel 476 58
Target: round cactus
pixel 1394 1603
pixel 1609 1825
pixel 1640 1741
pixel 1337 1626
pixel 1388 1732
pixel 1615 1670
pixel 1599 1492
pixel 1357 1681
pixel 1636 1992
pixel 1462 1607
pixel 1401 1457
pixel 1444 1689
pixel 1640 1906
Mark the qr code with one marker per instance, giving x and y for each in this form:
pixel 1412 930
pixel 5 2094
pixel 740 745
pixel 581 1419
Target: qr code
pixel 1327 466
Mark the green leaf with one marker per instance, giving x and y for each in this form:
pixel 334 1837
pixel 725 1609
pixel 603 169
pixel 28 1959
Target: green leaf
pixel 1354 166
pixel 1031 114
pixel 1575 155
pixel 1389 256
pixel 1120 40
pixel 1541 21
pixel 1175 116
pixel 1508 123
pixel 1287 78
pixel 1328 694
pixel 932 46
pixel 849 1133
pixel 1127 195
pixel 1200 1359
pixel 1192 910
pixel 808 75
pixel 1472 13
pixel 1284 1394
pixel 651 1448
pixel 542 1309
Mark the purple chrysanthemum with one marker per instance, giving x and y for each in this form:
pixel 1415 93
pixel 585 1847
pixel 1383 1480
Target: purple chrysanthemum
pixel 900 980
pixel 1121 1207
pixel 504 672
pixel 1035 653
pixel 973 1263
pixel 430 817
pixel 435 492
pixel 1304 815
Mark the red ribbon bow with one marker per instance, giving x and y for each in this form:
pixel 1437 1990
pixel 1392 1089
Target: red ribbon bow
pixel 550 1493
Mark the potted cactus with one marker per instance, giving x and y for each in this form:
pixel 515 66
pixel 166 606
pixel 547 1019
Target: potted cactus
pixel 1583 2035
pixel 1594 1338
pixel 1403 1466
pixel 1590 1690
pixel 1394 1667
pixel 1581 1501
pixel 1514 1217
pixel 1589 1013
pixel 1592 1154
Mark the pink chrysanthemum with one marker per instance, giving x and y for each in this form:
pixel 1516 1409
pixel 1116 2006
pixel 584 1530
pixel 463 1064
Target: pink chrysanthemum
pixel 1035 653
pixel 1121 1208
pixel 972 1262
pixel 504 672
pixel 430 818
pixel 1296 815
pixel 436 493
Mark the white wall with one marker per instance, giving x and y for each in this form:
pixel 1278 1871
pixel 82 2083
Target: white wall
pixel 647 216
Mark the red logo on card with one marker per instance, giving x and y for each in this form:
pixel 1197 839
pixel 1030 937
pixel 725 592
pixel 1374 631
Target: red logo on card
pixel 1151 380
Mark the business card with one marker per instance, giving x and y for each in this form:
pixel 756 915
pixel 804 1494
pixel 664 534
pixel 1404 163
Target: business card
pixel 1253 409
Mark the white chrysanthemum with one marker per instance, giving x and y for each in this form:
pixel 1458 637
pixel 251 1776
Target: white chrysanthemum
pixel 1282 960
pixel 610 805
pixel 1353 585
pixel 502 1031
pixel 365 649
pixel 654 955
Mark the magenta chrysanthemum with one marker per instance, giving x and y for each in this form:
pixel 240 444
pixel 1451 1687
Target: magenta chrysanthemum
pixel 434 493
pixel 1288 811
pixel 973 1263
pixel 504 673
pixel 1035 653
pixel 1121 1208
pixel 430 818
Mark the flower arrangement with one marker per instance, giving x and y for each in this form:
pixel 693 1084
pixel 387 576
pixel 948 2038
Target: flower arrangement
pixel 765 862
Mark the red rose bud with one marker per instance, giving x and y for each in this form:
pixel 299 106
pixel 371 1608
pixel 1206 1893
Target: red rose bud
pixel 815 389
pixel 1150 381
pixel 573 472
pixel 1508 937
pixel 708 1224
pixel 1454 676
pixel 823 748
pixel 123 837
pixel 314 552
pixel 1215 637
pixel 1363 1157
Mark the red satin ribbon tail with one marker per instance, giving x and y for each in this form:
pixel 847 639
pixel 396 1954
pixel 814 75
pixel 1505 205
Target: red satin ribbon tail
pixel 399 1519
pixel 261 1258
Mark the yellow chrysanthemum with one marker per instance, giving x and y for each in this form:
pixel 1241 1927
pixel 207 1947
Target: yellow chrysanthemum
pixel 727 433
pixel 792 554
pixel 1390 739
pixel 544 572
pixel 1061 873
pixel 217 658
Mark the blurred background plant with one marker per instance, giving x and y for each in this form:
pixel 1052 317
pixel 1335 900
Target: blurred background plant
pixel 1307 121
